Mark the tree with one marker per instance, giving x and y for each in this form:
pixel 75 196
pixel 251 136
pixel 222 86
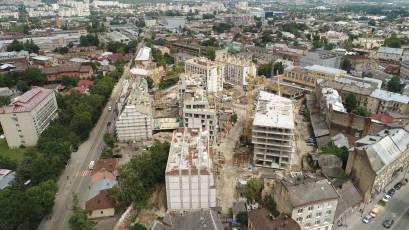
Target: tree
pixel 351 102
pixel 346 65
pixel 81 124
pixel 394 85
pixel 361 111
pixel 109 140
pixel 4 100
pixel 222 27
pixel 337 151
pixel 372 22
pixel 106 153
pixel 34 77
pixel 61 50
pixel 150 82
pixel 265 70
pixel 89 40
pixel 253 191
pixel 270 205
pixel 27 46
pixel 79 218
pixel 278 68
pixel 233 118
pixel 22 86
pixel 137 226
pixel 211 53
pixel 7 163
pixel 69 81
pixel 242 218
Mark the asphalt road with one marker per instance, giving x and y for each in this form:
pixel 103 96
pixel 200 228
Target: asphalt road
pixel 75 177
pixel 396 208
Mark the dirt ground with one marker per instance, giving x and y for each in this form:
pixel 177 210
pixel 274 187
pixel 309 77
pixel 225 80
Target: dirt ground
pixel 156 209
pixel 302 132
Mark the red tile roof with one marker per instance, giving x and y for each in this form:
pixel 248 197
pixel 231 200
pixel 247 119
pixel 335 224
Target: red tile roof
pixel 261 219
pixel 108 164
pixel 85 83
pixel 29 100
pixel 101 201
pixel 382 117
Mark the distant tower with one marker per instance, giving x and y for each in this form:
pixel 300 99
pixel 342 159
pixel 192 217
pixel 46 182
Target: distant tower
pixel 58 23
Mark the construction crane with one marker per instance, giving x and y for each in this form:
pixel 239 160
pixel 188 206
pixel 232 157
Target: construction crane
pixel 249 110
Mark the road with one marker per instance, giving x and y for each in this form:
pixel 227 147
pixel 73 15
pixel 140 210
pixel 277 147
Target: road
pixel 75 177
pixel 397 207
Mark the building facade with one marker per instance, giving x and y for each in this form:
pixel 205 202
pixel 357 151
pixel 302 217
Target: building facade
pixel 190 183
pixel 236 69
pixel 308 76
pixel 28 116
pixel 273 132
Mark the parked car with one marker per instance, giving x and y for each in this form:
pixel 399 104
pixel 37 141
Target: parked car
pixel 109 108
pixel 374 212
pixel 367 219
pixel 391 192
pixel 91 165
pixel 397 186
pixel 388 223
pixel 386 198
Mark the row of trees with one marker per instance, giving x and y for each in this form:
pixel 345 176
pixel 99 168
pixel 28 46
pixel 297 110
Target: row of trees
pixel 19 46
pixel 42 165
pixel 123 48
pixel 161 59
pixel 23 80
pixel 89 40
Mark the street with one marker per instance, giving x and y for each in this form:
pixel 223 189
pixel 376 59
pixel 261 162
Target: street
pixel 75 178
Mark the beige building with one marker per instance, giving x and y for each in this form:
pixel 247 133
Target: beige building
pixel 236 68
pixel 310 200
pixel 385 101
pixel 212 72
pixel 308 76
pixel 378 160
pixel 28 116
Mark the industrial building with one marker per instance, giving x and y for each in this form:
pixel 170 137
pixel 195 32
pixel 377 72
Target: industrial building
pixel 135 121
pixel 190 184
pixel 197 111
pixel 273 132
pixel 28 116
pixel 213 72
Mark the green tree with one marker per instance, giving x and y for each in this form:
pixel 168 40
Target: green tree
pixel 81 124
pixel 270 205
pixel 278 68
pixel 233 118
pixel 109 140
pixel 254 189
pixel 211 53
pixel 394 85
pixel 264 69
pixel 351 102
pixel 242 218
pixel 361 111
pixel 346 65
pixel 106 153
pixel 69 81
pixel 137 226
pixel 79 218
pixel 342 153
pixel 89 40
pixel 34 77
pixel 150 82
pixel 22 86
pixel 4 100
pixel 7 163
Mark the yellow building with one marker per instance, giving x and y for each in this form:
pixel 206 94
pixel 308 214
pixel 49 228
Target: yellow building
pixel 307 76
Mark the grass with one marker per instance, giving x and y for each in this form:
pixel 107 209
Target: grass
pixel 14 154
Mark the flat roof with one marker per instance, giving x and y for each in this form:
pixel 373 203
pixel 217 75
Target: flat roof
pixel 274 111
pixel 325 69
pixel 143 54
pixel 389 96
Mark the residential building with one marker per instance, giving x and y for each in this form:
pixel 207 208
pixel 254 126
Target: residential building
pixel 310 200
pixel 322 58
pixel 361 63
pixel 404 70
pixel 193 220
pixel 99 203
pixel 135 122
pixel 28 116
pixel 56 73
pixel 197 110
pixel 331 98
pixel 390 102
pixel 190 183
pixel 378 160
pixel 239 19
pixel 236 68
pixel 308 76
pixel 212 72
pixel 386 53
pixel 273 132
pixel 261 219
pixel 173 23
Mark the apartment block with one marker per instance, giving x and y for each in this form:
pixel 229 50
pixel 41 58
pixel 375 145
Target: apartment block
pixel 236 68
pixel 212 72
pixel 309 199
pixel 190 183
pixel 197 110
pixel 273 132
pixel 135 122
pixel 28 116
pixel 308 76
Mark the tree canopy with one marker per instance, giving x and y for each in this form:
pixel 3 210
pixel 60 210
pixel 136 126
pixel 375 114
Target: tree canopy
pixel 79 218
pixel 27 46
pixel 89 40
pixel 394 85
pixel 253 191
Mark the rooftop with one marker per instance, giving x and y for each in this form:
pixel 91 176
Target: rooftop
pixel 28 101
pixel 189 151
pixel 202 62
pixel 143 54
pixel 274 111
pixel 334 99
pixel 388 50
pixel 389 96
pixel 325 70
pixel 308 189
pixel 203 219
pixel 261 219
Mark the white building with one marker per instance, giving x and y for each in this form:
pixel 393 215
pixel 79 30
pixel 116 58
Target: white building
pixel 197 111
pixel 332 98
pixel 273 132
pixel 135 122
pixel 212 72
pixel 28 116
pixel 236 69
pixel 190 184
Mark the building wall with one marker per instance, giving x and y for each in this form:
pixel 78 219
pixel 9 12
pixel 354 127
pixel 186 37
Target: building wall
pixel 98 213
pixel 190 192
pixel 200 118
pixel 404 70
pixel 133 125
pixel 26 127
pixel 214 76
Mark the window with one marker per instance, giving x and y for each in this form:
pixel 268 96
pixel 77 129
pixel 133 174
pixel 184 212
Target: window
pixel 307 224
pixel 326 227
pixel 310 208
pixel 299 219
pixel 329 211
pixel 317 222
pixel 300 210
pixel 318 214
pixel 309 217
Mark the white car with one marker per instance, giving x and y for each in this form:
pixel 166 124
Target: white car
pixel 367 219
pixel 109 108
pixel 91 165
pixel 386 198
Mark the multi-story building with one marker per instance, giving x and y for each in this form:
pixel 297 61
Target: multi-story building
pixel 322 58
pixel 378 160
pixel 197 111
pixel 212 72
pixel 310 200
pixel 261 219
pixel 385 101
pixel 308 76
pixel 135 122
pixel 190 183
pixel 273 132
pixel 28 116
pixel 386 53
pixel 236 69
pixel 404 70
